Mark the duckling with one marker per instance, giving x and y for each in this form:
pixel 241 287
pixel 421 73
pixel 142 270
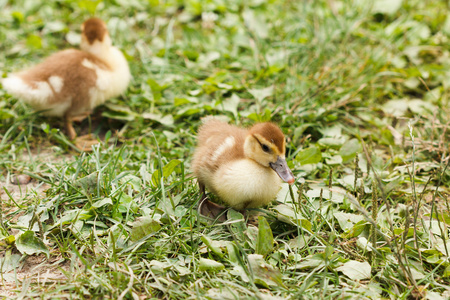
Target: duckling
pixel 71 83
pixel 244 168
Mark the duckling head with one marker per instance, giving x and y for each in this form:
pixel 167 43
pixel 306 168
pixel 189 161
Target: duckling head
pixel 266 145
pixel 95 37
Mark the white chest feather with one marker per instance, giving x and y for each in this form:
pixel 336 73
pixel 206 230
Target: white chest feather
pixel 110 83
pixel 245 184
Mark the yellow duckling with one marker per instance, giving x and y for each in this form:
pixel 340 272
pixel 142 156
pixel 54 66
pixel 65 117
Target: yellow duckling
pixel 71 83
pixel 242 167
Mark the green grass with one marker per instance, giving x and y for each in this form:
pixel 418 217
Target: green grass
pixel 361 92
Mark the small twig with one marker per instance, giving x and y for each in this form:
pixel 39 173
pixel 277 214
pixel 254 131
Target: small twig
pixel 300 194
pixel 291 192
pixel 355 188
pixel 330 183
pixel 373 233
pixel 320 199
pixel 2 224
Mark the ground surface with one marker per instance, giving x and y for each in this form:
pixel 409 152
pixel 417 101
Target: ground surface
pixel 359 88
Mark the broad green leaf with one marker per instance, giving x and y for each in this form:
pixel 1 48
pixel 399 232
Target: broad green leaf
pixel 388 7
pixel 159 267
pixel 334 160
pixel 103 202
pixel 264 273
pixel 396 107
pixel 231 104
pixel 182 101
pixel 88 183
pixel 421 107
pixel 156 178
pixel 261 94
pixel 347 220
pixel 284 195
pixel 298 242
pixel 10 239
pixel 233 253
pixel 356 230
pixel 18 16
pixel 310 262
pixel 89 5
pixel 265 117
pixel 7 114
pixel 210 265
pixel 28 243
pixel 311 155
pixel 166 120
pixel 191 54
pixel 256 23
pixel 221 293
pixel 34 41
pixel 9 262
pixel 350 149
pixel 156 89
pixel 119 112
pixel 127 203
pixel 364 244
pixel 238 270
pixel 328 253
pixel 132 180
pixel 446 26
pixel 287 214
pixel 252 236
pixel 332 141
pixel 210 244
pixel 356 270
pixel 54 26
pixel 264 242
pixel 143 226
pixel 3 233
pixel 170 167
pixel 74 38
pixel 446 273
pixel 167 170
pixel 236 224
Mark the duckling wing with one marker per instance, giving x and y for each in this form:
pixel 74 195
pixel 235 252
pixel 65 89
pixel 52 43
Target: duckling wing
pixel 218 143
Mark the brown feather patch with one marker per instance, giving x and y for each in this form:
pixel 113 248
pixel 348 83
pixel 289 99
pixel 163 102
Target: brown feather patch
pixel 77 79
pixel 94 29
pixel 270 132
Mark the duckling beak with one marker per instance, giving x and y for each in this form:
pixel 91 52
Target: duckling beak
pixel 282 169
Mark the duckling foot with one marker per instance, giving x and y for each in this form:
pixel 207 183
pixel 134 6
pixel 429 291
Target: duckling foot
pixel 212 210
pixel 85 142
pixel 251 216
pixel 69 126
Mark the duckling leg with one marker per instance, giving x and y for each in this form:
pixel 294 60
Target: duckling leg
pixel 209 209
pixel 202 191
pixel 212 210
pixel 84 142
pixel 69 128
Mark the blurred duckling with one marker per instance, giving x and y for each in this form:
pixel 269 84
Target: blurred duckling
pixel 244 168
pixel 71 83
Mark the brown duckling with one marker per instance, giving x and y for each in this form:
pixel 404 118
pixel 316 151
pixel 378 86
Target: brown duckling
pixel 244 168
pixel 71 83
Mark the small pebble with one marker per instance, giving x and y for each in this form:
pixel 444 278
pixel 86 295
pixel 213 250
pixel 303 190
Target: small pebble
pixel 21 179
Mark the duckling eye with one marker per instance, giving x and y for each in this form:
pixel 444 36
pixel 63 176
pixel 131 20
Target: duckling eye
pixel 265 148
